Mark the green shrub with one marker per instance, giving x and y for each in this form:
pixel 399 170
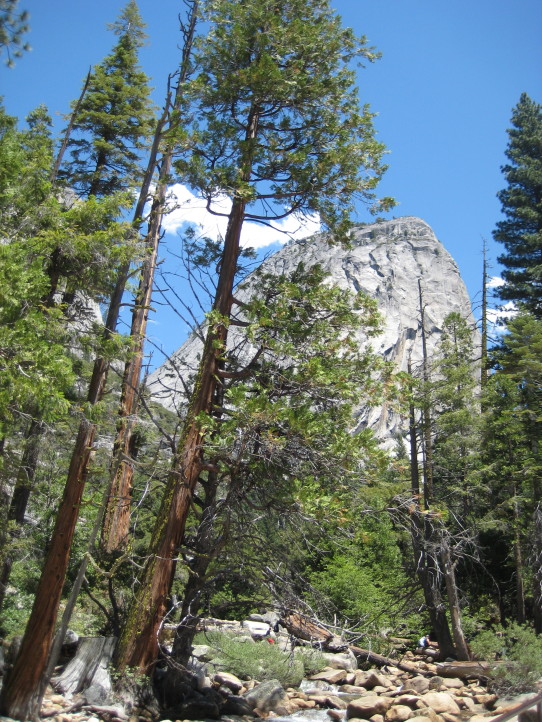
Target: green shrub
pixel 260 660
pixel 519 653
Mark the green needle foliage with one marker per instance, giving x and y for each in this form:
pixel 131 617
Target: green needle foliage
pixel 115 119
pixel 280 72
pixel 13 27
pixel 521 231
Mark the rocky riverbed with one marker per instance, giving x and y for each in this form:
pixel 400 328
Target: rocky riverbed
pixel 339 692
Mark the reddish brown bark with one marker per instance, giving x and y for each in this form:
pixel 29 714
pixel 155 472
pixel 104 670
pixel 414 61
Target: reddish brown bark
pixel 25 676
pixel 23 690
pixel 138 644
pixel 116 524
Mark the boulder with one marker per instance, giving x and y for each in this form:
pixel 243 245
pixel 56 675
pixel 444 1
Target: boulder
pixel 353 689
pixel 228 680
pixel 417 684
pixel 366 707
pixel 258 630
pixel 331 676
pixel 399 713
pixel 452 683
pixel 237 706
pixel 202 652
pixel 372 680
pixel 410 700
pixel 268 696
pixel 329 701
pixel 440 702
pixel 341 660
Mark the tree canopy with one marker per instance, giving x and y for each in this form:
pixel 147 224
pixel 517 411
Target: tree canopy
pixel 521 230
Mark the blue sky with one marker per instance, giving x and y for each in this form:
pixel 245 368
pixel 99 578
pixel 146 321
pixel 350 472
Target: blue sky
pixel 444 90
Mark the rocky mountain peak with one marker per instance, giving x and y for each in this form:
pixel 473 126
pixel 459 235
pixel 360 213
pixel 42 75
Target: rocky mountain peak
pixel 390 261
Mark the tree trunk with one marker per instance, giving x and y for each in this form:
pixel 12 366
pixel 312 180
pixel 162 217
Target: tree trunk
pixel 116 524
pixel 537 576
pixel 90 662
pixel 421 535
pixel 20 695
pixel 206 548
pixel 518 564
pixel 19 500
pixel 138 645
pixel 461 646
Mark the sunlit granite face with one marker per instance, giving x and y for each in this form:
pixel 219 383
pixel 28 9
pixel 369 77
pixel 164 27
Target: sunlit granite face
pixel 390 261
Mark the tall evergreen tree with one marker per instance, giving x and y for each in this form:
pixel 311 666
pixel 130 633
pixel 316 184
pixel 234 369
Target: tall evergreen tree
pixel 521 231
pixel 280 132
pixel 115 118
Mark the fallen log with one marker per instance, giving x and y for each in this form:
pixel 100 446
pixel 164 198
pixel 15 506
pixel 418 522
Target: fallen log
pixel 304 628
pixel 462 670
pixel 365 655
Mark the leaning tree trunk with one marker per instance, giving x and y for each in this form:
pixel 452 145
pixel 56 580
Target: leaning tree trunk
pixel 461 646
pixel 23 690
pixel 116 525
pixel 138 645
pixel 422 531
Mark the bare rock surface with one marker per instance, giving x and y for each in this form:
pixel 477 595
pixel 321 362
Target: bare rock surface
pixel 387 260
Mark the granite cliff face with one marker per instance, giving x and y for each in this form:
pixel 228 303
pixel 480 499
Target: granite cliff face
pixel 386 260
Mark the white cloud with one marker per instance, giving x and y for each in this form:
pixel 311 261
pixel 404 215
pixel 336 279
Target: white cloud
pixel 188 208
pixel 502 313
pixel 495 282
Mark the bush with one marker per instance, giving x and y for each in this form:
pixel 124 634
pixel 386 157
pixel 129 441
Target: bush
pixel 519 652
pixel 260 660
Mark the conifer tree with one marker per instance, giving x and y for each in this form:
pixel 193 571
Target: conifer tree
pixel 279 131
pixel 13 26
pixel 521 230
pixel 519 361
pixel 115 118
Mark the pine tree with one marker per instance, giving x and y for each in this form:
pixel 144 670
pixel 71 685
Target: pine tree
pixel 279 131
pixel 115 117
pixel 13 26
pixel 521 231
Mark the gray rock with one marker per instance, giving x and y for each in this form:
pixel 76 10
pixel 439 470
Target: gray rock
pixel 386 260
pixel 341 660
pixel 268 696
pixel 237 706
pixel 416 684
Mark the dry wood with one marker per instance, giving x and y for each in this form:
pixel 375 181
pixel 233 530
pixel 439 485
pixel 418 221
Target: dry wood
pixel 93 654
pixel 365 655
pixel 476 670
pixel 304 628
